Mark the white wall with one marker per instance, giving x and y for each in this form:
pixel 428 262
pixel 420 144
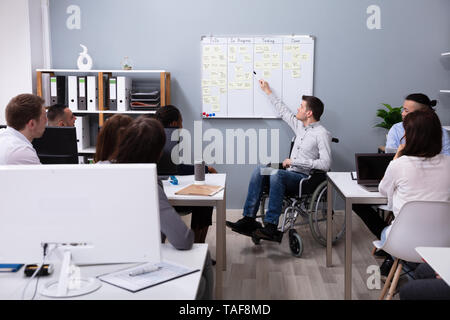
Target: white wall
pixel 21 48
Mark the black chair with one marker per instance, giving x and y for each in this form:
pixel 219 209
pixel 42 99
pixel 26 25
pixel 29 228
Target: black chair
pixel 311 204
pixel 58 145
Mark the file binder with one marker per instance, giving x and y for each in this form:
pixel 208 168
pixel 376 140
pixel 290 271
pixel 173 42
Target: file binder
pixel 58 90
pixel 82 130
pixel 92 93
pixel 124 85
pixel 82 93
pixel 112 101
pixel 72 92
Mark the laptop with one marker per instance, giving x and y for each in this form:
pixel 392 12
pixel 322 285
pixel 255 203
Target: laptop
pixel 165 166
pixel 370 169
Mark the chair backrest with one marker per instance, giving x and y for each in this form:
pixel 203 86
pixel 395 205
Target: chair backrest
pixel 419 224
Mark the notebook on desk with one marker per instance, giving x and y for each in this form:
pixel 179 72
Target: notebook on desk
pixel 200 190
pixel 370 169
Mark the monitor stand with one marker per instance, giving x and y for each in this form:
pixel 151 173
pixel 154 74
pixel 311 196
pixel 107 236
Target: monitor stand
pixel 64 288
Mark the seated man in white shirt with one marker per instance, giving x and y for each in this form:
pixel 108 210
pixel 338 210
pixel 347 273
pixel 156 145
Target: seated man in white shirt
pixel 26 119
pixel 59 115
pixel 311 150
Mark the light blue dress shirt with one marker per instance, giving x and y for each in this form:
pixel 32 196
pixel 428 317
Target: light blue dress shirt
pixel 397 132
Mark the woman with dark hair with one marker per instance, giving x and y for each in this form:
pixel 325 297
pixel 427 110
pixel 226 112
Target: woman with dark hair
pixel 143 142
pixel 170 117
pixel 109 137
pixel 418 169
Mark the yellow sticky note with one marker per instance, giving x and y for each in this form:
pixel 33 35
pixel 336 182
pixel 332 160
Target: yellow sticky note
pixel 287 47
pixel 222 82
pixel 275 57
pixel 206 58
pixel 258 65
pixel 275 65
pixel 206 91
pixel 232 49
pixel 215 107
pixel 287 65
pixel 214 99
pixel 206 66
pixel 214 83
pixel 242 49
pixel 231 58
pixel 206 99
pixel 222 90
pixel 267 74
pixel 267 65
pixel 296 47
pixel 205 83
pixel 247 85
pixel 206 49
pixel 295 65
pixel 239 76
pixel 305 56
pixel 239 85
pixel 247 58
pixel 238 68
pixel 267 56
pixel 267 48
pixel 217 49
pixel 295 73
pixel 214 74
pixel 259 48
pixel 247 75
pixel 221 57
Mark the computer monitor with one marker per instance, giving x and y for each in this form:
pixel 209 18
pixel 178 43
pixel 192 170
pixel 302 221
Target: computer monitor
pixel 58 145
pixel 167 165
pixel 102 213
pixel 370 167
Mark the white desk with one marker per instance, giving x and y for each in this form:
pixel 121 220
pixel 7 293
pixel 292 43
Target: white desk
pixel 219 201
pixel 352 193
pixel 438 259
pixel 12 284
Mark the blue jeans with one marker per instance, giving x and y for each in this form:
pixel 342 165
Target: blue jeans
pixel 280 182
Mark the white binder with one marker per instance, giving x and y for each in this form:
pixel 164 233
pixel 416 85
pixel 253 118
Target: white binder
pixel 92 93
pixel 124 85
pixel 82 130
pixel 73 92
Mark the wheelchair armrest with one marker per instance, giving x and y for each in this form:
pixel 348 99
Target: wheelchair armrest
pixel 309 184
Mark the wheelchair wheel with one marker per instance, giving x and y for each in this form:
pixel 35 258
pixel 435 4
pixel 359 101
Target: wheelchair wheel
pixel 318 217
pixel 295 243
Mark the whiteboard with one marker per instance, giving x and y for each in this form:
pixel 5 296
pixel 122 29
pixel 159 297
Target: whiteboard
pixel 230 88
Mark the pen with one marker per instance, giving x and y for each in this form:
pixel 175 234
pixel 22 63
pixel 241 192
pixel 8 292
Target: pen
pixel 144 271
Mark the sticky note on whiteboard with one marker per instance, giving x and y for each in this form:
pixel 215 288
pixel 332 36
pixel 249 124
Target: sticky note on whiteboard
pixel 295 73
pixel 215 107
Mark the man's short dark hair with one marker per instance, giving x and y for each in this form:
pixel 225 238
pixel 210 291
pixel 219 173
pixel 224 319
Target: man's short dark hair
pixel 167 115
pixel 56 112
pixel 23 108
pixel 315 105
pixel 422 99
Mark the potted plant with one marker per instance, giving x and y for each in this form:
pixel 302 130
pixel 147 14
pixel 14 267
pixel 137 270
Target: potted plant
pixel 390 117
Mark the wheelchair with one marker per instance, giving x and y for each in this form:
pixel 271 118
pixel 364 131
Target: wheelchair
pixel 310 205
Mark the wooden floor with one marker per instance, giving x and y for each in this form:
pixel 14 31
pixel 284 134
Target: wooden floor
pixel 269 271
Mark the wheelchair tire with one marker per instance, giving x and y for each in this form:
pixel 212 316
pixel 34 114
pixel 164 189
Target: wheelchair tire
pixel 317 217
pixel 295 243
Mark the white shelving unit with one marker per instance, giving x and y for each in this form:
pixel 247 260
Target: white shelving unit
pixel 164 87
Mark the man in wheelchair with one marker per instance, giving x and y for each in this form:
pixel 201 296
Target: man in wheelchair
pixel 311 150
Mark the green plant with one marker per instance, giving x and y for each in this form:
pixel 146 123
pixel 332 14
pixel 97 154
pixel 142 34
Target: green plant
pixel 390 117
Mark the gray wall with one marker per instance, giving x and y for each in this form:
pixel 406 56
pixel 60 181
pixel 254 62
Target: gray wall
pixel 356 69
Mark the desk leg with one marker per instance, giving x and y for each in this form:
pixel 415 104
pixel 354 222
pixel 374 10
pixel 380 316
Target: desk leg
pixel 220 246
pixel 348 249
pixel 329 222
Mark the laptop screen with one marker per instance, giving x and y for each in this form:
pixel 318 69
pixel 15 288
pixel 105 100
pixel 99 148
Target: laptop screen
pixel 370 167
